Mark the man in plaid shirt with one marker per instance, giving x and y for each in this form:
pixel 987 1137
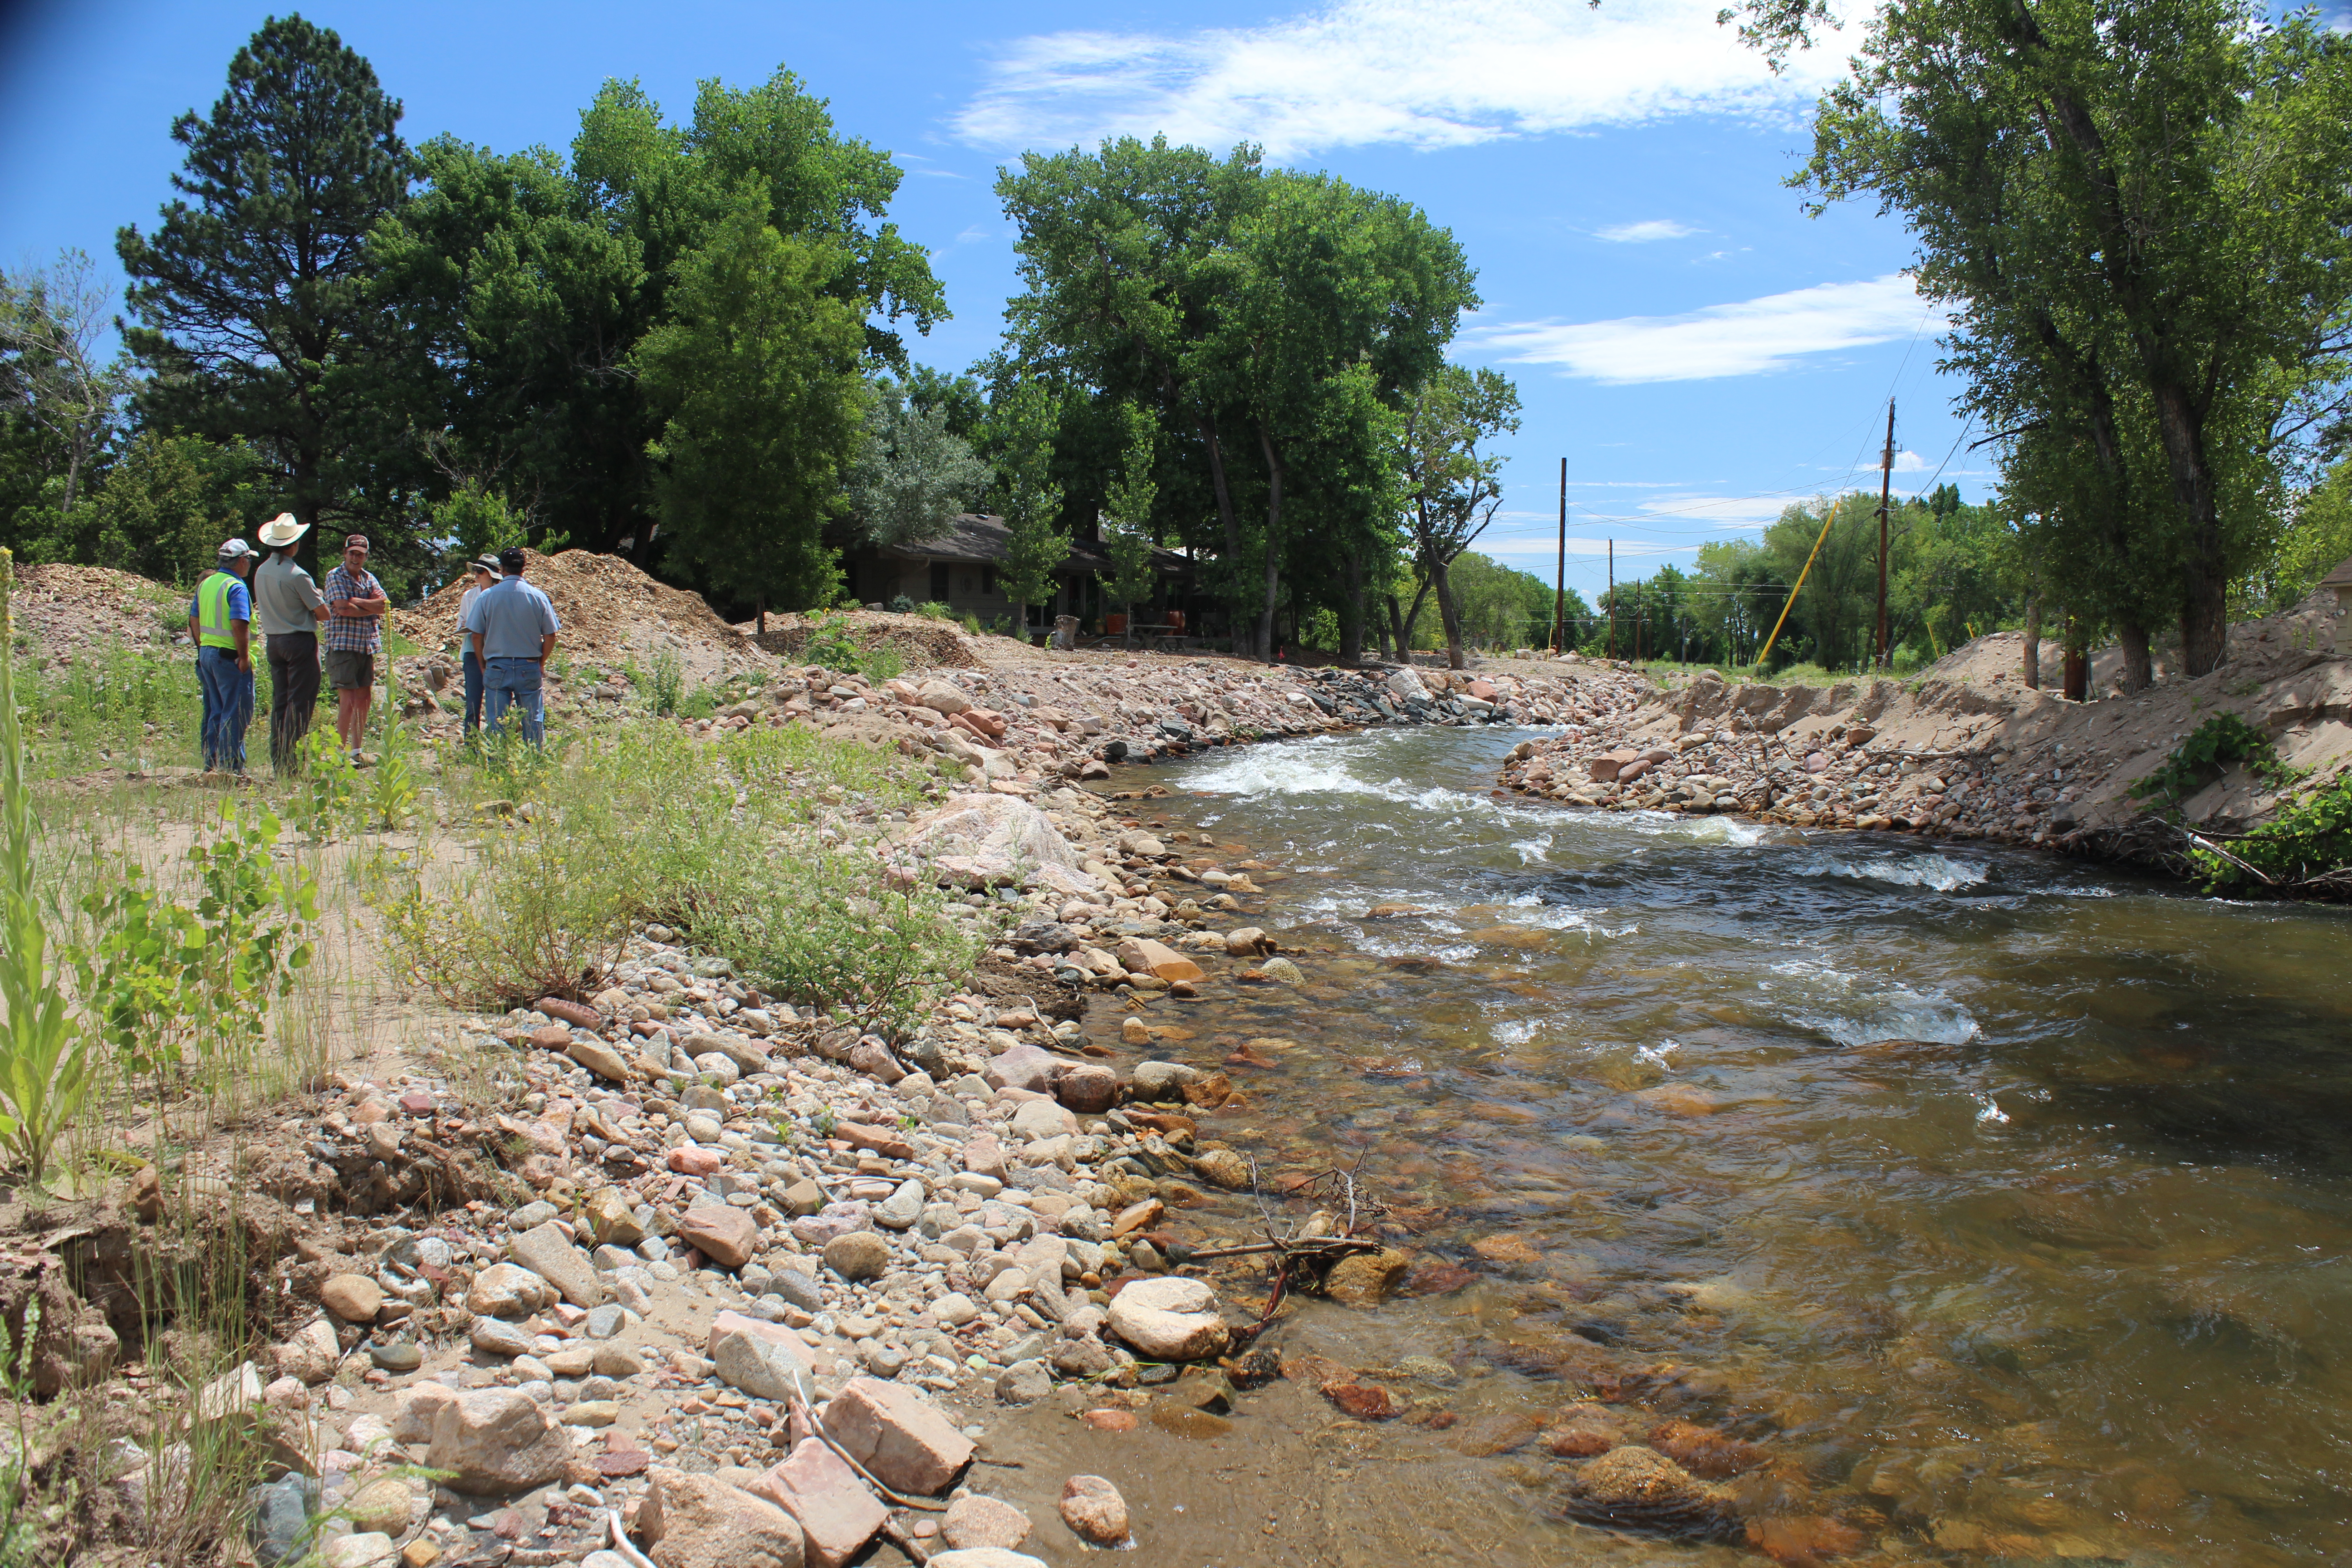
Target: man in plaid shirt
pixel 354 633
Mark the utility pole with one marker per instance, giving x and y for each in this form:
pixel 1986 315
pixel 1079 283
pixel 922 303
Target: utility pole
pixel 1885 480
pixel 1560 572
pixel 1612 598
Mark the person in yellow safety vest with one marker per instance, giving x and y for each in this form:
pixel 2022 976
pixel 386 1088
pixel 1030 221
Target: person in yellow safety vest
pixel 220 622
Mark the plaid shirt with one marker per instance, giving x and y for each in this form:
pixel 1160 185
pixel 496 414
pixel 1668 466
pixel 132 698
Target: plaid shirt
pixel 354 633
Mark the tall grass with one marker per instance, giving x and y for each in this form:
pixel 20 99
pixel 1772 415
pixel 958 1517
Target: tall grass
pixel 737 843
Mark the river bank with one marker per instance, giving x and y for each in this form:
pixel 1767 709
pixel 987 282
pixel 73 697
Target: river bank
pixel 1965 753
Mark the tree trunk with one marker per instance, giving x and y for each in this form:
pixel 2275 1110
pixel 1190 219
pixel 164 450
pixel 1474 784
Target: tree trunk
pixel 2140 668
pixel 2033 641
pixel 763 614
pixel 1401 650
pixel 1450 613
pixel 2078 675
pixel 1273 546
pixel 1351 613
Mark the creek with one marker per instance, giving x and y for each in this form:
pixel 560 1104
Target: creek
pixel 2003 1202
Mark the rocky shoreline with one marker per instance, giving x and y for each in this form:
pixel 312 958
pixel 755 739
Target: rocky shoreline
pixel 1954 759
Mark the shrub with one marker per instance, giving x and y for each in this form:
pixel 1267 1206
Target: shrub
pixel 664 682
pixel 933 610
pixel 2306 844
pixel 902 605
pixel 729 842
pixel 44 1057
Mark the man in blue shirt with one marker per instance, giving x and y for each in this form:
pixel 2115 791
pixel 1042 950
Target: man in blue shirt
pixel 220 622
pixel 513 629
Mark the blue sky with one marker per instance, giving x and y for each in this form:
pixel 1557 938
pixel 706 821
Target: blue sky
pixel 1698 349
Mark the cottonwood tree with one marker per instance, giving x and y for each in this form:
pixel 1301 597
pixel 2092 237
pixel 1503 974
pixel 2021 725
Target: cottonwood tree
pixel 249 303
pixel 2136 215
pixel 758 369
pixel 531 279
pixel 1126 530
pixel 1453 487
pixel 51 376
pixel 1025 419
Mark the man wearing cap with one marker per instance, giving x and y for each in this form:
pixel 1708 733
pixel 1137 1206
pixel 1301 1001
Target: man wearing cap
pixel 355 607
pixel 511 628
pixel 220 620
pixel 485 570
pixel 287 607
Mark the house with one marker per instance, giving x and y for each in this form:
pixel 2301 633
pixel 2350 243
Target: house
pixel 2340 580
pixel 959 568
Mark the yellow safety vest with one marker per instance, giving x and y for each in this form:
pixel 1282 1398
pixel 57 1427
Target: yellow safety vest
pixel 213 628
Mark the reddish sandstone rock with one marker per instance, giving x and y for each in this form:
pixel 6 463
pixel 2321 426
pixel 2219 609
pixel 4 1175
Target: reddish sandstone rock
pixel 1804 1542
pixel 1364 1401
pixel 1704 1451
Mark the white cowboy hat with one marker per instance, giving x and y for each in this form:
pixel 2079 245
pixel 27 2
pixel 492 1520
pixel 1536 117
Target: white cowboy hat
pixel 282 530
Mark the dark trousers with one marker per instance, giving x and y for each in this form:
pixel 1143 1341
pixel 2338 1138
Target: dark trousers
pixel 473 668
pixel 293 695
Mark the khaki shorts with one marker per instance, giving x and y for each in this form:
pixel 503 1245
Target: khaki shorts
pixel 348 668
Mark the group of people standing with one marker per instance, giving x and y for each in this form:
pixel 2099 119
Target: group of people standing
pixel 509 630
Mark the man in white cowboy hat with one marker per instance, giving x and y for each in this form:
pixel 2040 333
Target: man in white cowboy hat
pixel 287 607
pixel 220 619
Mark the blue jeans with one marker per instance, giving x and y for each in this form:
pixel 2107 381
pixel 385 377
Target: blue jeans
pixel 473 668
pixel 514 683
pixel 228 707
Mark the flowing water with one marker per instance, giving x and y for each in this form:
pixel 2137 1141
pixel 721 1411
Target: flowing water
pixel 2004 1202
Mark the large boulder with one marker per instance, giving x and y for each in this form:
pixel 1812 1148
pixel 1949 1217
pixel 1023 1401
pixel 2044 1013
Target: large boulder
pixel 548 1251
pixel 759 1358
pixel 1170 1319
pixel 904 1440
pixel 725 1234
pixel 837 1514
pixel 497 1440
pixel 980 839
pixel 700 1522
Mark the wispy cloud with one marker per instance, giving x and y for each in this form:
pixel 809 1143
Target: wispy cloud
pixel 1743 338
pixel 1361 72
pixel 1642 233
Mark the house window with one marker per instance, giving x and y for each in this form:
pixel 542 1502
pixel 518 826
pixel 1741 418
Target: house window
pixel 939 581
pixel 987 579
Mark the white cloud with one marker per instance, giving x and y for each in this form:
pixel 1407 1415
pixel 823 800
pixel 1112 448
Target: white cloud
pixel 1361 72
pixel 1907 461
pixel 1642 233
pixel 1742 339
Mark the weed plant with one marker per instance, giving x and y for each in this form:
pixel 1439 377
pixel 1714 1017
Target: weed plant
pixel 734 842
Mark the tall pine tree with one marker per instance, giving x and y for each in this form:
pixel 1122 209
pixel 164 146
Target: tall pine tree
pixel 250 302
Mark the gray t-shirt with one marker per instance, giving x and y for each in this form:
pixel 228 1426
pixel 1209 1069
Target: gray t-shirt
pixel 283 596
pixel 512 616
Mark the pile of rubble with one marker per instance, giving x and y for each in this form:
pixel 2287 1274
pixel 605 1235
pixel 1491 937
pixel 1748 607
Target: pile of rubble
pixel 611 611
pixel 70 612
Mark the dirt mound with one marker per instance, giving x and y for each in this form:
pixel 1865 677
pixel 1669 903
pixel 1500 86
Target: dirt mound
pixel 610 610
pixel 923 643
pixel 1998 658
pixel 69 612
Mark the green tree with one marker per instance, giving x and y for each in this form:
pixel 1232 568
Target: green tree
pixel 1026 418
pixel 51 377
pixel 912 475
pixel 2135 212
pixel 1127 534
pixel 252 307
pixel 168 504
pixel 960 401
pixel 531 280
pixel 759 372
pixel 1451 488
pixel 476 520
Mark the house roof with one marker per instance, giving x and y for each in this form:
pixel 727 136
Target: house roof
pixel 981 537
pixel 2339 578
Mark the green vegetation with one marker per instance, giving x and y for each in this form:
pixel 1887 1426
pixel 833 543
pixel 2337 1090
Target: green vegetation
pixel 2197 761
pixel 731 842
pixel 2305 846
pixel 44 1057
pixel 831 644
